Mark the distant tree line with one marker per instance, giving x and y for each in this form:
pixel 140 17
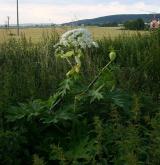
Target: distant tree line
pixel 112 24
pixel 137 24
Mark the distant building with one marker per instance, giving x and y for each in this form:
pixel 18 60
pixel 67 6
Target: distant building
pixel 155 24
pixel 120 25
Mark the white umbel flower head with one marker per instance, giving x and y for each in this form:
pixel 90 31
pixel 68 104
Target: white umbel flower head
pixel 72 45
pixel 78 38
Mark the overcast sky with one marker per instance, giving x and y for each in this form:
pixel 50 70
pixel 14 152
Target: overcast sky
pixel 60 11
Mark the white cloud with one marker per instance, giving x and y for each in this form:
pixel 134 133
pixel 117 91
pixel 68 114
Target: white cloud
pixel 64 13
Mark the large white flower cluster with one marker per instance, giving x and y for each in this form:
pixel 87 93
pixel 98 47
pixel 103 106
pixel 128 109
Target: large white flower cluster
pixel 72 45
pixel 78 38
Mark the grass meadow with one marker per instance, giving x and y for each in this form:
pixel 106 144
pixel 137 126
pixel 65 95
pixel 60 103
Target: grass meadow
pixel 36 33
pixel 106 114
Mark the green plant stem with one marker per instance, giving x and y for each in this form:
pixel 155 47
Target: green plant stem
pixel 69 62
pixel 96 78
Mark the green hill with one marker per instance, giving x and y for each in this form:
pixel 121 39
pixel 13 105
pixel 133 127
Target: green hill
pixel 113 19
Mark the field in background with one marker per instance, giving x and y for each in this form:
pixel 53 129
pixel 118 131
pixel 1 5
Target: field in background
pixel 36 33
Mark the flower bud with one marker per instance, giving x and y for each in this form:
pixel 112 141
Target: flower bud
pixel 112 55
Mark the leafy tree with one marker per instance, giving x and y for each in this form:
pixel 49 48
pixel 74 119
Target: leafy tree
pixel 135 24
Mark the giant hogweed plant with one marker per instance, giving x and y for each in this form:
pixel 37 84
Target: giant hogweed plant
pixel 71 48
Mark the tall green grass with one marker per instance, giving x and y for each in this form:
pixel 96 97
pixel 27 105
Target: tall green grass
pixel 138 61
pixel 30 70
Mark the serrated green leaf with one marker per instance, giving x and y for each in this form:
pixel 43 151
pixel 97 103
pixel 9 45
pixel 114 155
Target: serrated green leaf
pixel 96 94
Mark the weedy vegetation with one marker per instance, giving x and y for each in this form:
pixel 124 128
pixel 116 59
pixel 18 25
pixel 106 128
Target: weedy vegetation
pixel 82 105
